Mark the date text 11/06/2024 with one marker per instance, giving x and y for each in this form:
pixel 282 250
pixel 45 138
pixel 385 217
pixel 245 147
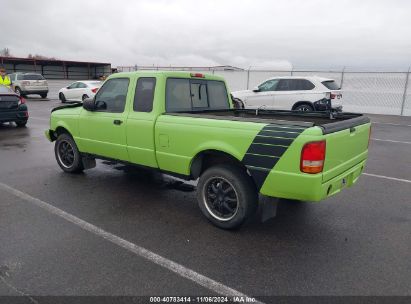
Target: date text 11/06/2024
pixel 201 299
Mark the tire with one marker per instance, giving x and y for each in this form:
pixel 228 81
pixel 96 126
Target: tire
pixel 238 103
pixel 21 124
pixel 43 95
pixel 62 97
pixel 305 107
pixel 67 154
pixel 231 209
pixel 18 91
pixel 84 97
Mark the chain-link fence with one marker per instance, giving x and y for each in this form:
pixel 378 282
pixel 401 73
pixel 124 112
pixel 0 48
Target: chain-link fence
pixel 366 92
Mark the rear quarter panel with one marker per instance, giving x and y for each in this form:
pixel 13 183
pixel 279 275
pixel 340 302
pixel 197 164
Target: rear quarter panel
pixel 179 139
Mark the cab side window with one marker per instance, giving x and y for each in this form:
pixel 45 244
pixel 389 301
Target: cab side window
pixel 112 95
pixel 144 96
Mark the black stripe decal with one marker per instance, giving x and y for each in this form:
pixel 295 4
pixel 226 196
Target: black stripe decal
pixel 267 148
pixel 272 140
pixel 279 134
pixel 284 129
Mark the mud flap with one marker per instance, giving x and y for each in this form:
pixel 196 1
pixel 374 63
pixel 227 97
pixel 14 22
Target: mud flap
pixel 267 208
pixel 88 162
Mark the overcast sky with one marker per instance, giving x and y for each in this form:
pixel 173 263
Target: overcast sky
pixel 280 33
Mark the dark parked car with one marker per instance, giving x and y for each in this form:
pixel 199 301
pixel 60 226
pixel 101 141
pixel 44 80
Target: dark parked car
pixel 12 107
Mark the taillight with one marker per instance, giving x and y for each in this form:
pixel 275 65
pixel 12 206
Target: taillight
pixel 94 90
pixel 197 75
pixel 22 101
pixel 312 157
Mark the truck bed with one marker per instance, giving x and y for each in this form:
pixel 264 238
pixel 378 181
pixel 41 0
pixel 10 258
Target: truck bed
pixel 328 123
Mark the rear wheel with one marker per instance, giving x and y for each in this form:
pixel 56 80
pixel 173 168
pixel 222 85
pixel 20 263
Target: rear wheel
pixel 304 108
pixel 43 95
pixel 227 196
pixel 21 124
pixel 67 154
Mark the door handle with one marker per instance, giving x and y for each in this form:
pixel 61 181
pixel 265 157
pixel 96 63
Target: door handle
pixel 117 122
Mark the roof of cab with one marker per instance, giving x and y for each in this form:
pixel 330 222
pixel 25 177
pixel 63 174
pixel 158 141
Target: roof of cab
pixel 168 74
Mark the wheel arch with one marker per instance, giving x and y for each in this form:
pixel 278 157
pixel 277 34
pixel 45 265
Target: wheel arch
pixel 59 130
pixel 210 157
pixel 302 102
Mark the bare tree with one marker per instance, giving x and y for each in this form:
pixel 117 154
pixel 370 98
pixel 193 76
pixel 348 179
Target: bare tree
pixel 5 52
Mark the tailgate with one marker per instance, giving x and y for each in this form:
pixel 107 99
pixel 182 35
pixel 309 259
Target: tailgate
pixel 345 147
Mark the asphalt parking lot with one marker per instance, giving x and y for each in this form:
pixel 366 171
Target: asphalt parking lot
pixel 355 243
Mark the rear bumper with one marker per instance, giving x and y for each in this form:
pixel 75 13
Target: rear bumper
pixel 20 114
pixel 35 90
pixel 307 187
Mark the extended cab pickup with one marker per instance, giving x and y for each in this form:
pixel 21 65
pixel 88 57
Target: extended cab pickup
pixel 184 124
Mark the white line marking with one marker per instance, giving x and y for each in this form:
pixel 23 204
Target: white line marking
pixel 21 293
pixel 140 251
pixel 388 177
pixel 389 123
pixel 38 118
pixel 393 141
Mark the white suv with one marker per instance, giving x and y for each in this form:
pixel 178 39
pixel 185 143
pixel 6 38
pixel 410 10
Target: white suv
pixel 293 93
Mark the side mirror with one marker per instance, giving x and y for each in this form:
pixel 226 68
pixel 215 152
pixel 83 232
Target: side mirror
pixel 256 89
pixel 89 105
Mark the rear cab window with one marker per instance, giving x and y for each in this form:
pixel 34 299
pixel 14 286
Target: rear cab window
pixel 144 95
pixel 187 95
pixel 331 85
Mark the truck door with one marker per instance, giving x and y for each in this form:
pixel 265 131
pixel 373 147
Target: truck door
pixel 103 131
pixel 140 124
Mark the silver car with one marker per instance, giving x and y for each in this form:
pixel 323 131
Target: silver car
pixel 29 83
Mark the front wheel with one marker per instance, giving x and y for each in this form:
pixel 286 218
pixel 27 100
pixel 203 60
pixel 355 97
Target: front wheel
pixel 227 196
pixel 43 95
pixel 62 98
pixel 67 154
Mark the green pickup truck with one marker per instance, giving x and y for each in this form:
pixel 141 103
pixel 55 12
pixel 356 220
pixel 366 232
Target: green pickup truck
pixel 185 124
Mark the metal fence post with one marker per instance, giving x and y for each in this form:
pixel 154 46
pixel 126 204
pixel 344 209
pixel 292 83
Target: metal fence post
pixel 404 96
pixel 248 77
pixel 342 77
pixel 292 70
